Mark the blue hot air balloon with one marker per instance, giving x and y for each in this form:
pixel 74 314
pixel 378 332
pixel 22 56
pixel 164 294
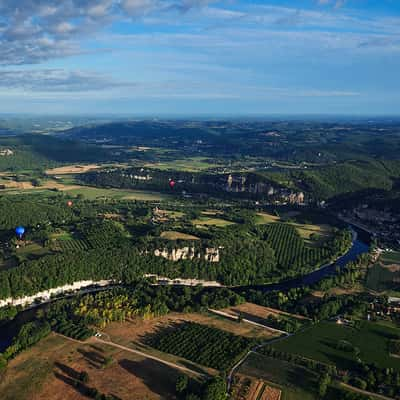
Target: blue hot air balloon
pixel 20 230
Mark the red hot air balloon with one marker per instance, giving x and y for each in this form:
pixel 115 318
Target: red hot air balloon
pixel 171 183
pixel 69 203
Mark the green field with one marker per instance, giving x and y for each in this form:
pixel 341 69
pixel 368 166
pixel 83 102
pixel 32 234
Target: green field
pixel 193 164
pixel 31 251
pixel 306 231
pixel 381 278
pixel 92 193
pixel 390 257
pixel 205 221
pixel 294 381
pixel 173 214
pixel 175 235
pixel 320 343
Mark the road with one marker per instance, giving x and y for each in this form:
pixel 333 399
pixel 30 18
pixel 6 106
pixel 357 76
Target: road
pixel 145 355
pixel 365 392
pixel 247 321
pixel 252 351
pixel 137 352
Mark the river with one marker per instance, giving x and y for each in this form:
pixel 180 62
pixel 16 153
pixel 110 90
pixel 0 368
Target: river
pixel 359 246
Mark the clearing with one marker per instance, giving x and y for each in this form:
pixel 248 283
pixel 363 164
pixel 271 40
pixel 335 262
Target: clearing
pixel 50 369
pixel 256 313
pixel 295 382
pixel 247 388
pixel 205 221
pixel 390 257
pixel 320 343
pixel 136 329
pixel 193 164
pixel 382 277
pixel 306 231
pixel 72 169
pixel 175 235
pixel 92 193
pixel 89 192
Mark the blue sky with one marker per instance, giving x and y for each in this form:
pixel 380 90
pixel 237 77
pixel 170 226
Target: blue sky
pixel 200 57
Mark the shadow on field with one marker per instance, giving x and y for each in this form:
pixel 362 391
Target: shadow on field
pixel 248 316
pixel 70 376
pixel 191 366
pixel 92 357
pixel 159 378
pixel 339 361
pixel 65 369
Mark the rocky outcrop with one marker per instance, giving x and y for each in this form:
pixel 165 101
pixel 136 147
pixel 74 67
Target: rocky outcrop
pixel 6 152
pixel 189 253
pixel 296 198
pixel 46 295
pixel 240 184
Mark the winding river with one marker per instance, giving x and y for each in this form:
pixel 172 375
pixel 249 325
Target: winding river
pixel 359 246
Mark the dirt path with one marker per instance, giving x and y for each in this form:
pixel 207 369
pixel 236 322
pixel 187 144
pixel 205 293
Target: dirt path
pixel 357 390
pixel 160 360
pixel 253 351
pixel 247 321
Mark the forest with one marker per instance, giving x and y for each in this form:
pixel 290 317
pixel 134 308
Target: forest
pixel 80 243
pixel 231 194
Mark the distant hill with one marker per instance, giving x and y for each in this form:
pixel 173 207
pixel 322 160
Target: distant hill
pixel 42 151
pixel 292 141
pixel 143 131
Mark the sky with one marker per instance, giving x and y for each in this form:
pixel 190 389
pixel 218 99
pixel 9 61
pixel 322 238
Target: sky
pixel 200 57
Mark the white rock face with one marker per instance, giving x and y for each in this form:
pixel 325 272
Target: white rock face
pixel 46 294
pixel 188 253
pixel 162 281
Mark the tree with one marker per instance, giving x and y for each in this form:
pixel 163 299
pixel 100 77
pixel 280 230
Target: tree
pixel 3 362
pixel 323 384
pixel 240 317
pixel 215 389
pixel 84 377
pixel 181 384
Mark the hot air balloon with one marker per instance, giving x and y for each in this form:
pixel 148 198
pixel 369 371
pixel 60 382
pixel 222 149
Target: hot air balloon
pixel 69 203
pixel 171 183
pixel 20 230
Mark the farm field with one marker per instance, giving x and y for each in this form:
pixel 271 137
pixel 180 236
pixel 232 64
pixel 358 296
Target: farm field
pixel 390 257
pixel 320 343
pixel 136 329
pixel 383 278
pixel 72 169
pixel 30 251
pixel 206 221
pixel 92 193
pixel 70 187
pixel 175 235
pixel 246 388
pixel 49 371
pixel 306 231
pixel 201 344
pixel 265 218
pixel 294 381
pixel 136 334
pixel 173 214
pixel 193 164
pixel 254 312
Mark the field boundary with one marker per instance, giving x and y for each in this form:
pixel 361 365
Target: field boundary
pixel 357 390
pixel 145 355
pixel 236 318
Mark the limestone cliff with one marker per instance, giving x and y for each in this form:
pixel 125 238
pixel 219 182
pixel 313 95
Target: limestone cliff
pixel 189 253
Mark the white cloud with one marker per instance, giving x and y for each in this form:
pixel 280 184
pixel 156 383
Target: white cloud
pixel 57 80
